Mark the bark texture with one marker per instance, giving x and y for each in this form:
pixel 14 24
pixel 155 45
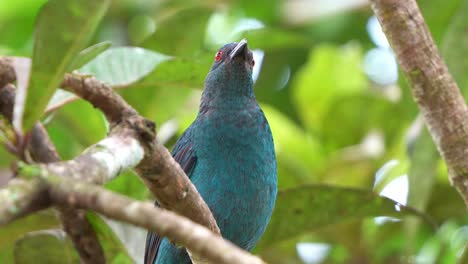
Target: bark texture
pixel 433 88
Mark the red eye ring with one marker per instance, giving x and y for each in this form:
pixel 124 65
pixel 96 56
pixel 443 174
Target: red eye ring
pixel 218 55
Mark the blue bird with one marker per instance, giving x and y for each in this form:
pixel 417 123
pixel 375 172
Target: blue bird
pixel 229 155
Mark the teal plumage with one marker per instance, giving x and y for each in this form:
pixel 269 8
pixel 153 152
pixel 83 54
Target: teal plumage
pixel 228 153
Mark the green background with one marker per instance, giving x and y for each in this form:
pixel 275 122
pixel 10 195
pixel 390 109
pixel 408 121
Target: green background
pixel 334 128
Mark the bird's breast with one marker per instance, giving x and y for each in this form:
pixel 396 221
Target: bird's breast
pixel 236 171
pixel 242 134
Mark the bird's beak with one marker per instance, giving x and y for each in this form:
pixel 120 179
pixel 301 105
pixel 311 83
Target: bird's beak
pixel 241 46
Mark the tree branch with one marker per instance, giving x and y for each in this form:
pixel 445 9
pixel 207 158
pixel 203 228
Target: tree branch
pixel 20 198
pixel 196 238
pixel 102 161
pixel 433 88
pixel 42 150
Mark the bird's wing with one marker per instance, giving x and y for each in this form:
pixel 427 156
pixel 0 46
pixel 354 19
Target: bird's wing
pixel 184 155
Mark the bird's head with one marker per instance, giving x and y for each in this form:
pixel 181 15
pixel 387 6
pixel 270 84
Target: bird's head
pixel 231 72
pixel 233 57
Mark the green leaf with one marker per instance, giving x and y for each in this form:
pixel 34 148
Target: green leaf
pixel 27 6
pixel 63 28
pixel 89 54
pixel 349 118
pixel 129 184
pixel 11 232
pixel 424 157
pixel 265 10
pixel 14 230
pixel 455 47
pixel 114 250
pixel 140 27
pixel 120 66
pixel 311 207
pixel 224 27
pixel 70 134
pixel 158 102
pixel 179 73
pixel 330 72
pixel 181 33
pixel 123 65
pixel 272 38
pixel 422 173
pixel 438 19
pixel 298 153
pixel 45 246
pixel 388 172
pixel 59 98
pixel 447 246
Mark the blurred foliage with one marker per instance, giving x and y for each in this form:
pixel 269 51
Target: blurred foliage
pixel 70 24
pixel 50 246
pixel 340 139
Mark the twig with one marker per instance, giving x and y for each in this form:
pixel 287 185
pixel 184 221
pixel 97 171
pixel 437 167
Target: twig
pixel 7 73
pixel 433 88
pixel 99 95
pixel 40 147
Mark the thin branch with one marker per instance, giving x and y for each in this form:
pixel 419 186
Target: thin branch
pixel 102 161
pixel 19 198
pixel 58 105
pixel 433 88
pixel 7 99
pixel 7 72
pixel 196 238
pixel 99 95
pixel 41 147
pixel 82 234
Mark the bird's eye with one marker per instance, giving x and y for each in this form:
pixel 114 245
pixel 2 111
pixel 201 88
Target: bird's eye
pixel 218 55
pixel 253 62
